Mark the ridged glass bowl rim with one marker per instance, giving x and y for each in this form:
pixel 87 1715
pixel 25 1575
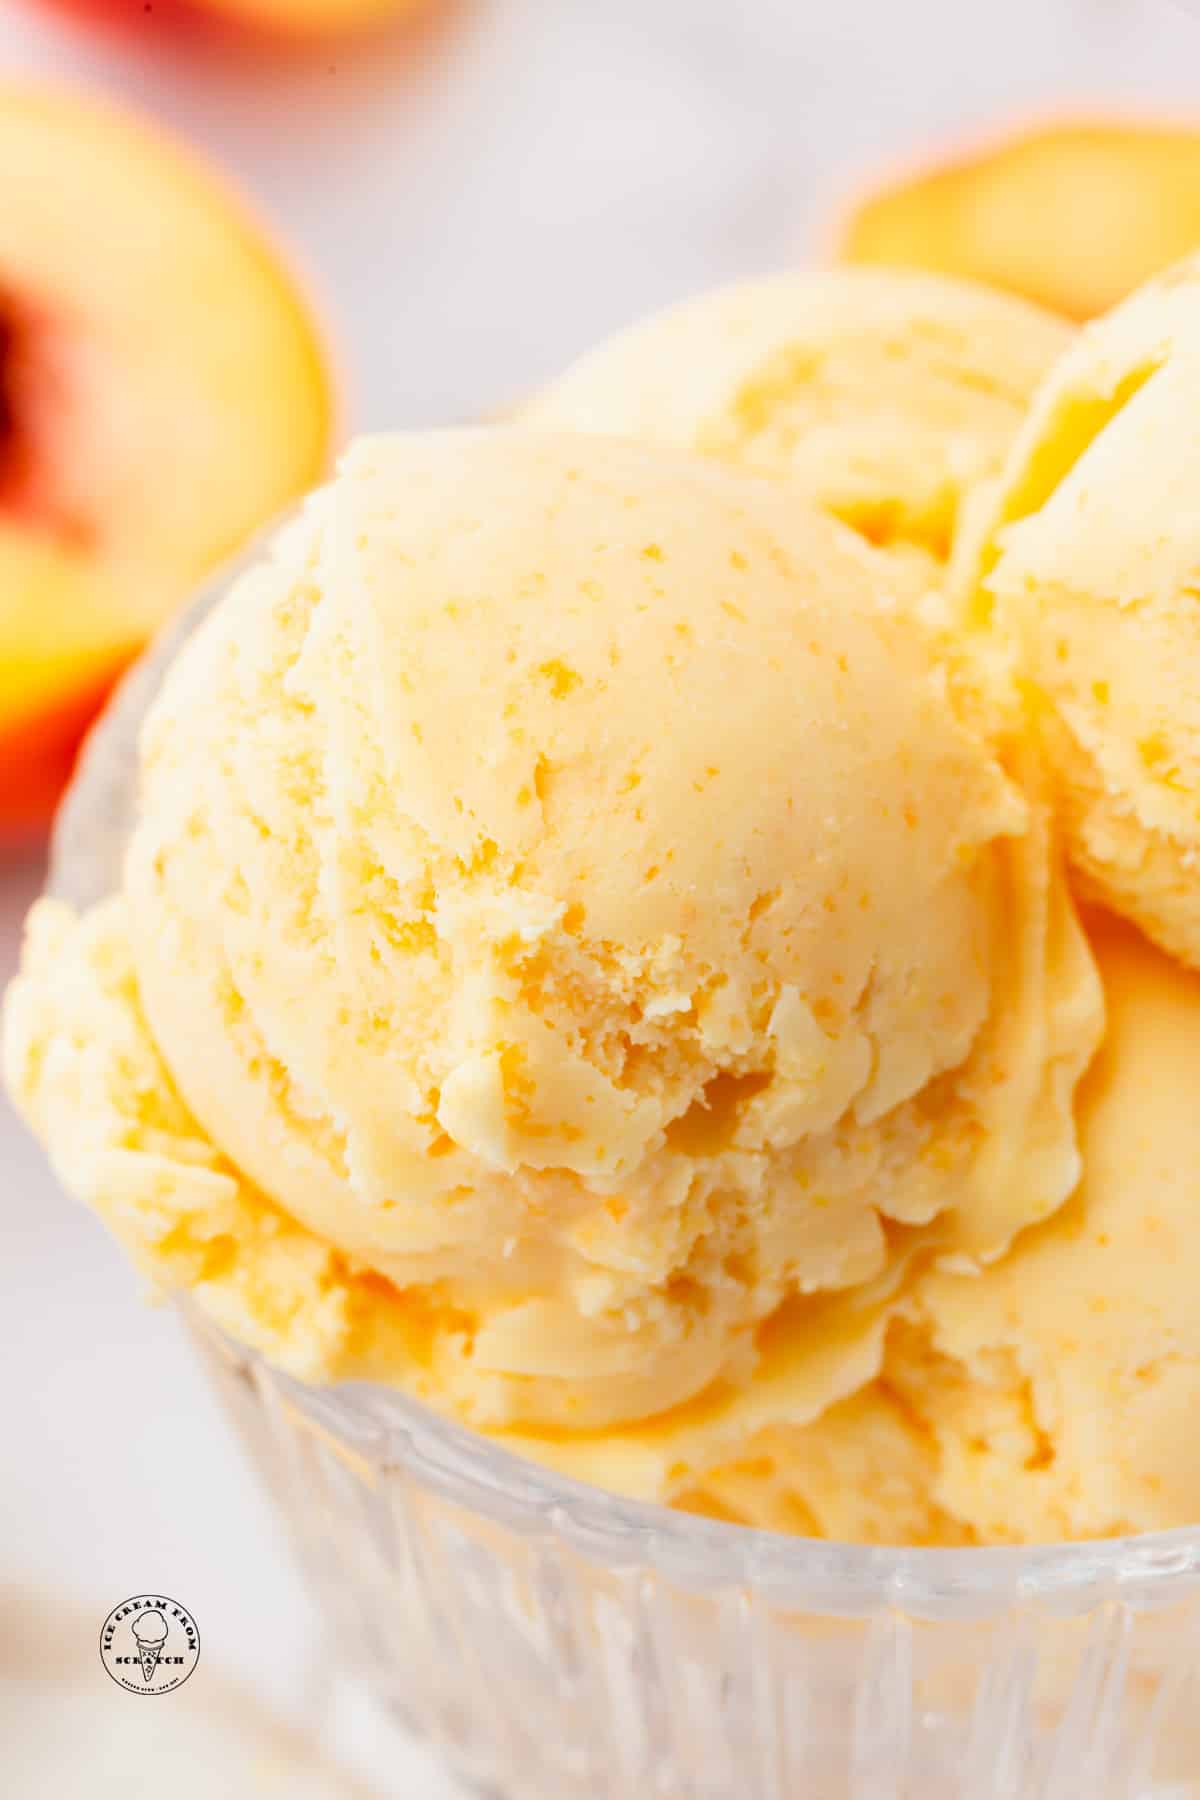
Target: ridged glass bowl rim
pixel 388 1428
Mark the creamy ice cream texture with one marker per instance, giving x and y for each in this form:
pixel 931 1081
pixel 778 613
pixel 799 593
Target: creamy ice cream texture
pixel 1052 1396
pixel 574 959
pixel 1087 566
pixel 885 396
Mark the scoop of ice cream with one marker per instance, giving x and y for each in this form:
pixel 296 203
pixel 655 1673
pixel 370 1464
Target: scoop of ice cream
pixel 568 921
pixel 150 1629
pixel 1055 1394
pixel 885 396
pixel 1088 562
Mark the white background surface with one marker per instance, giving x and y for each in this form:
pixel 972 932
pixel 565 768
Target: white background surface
pixel 473 208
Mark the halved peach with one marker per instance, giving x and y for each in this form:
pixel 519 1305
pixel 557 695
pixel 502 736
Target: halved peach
pixel 1073 214
pixel 163 390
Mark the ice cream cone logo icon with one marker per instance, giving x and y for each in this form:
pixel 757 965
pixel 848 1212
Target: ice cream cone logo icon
pixel 150 1633
pixel 149 1644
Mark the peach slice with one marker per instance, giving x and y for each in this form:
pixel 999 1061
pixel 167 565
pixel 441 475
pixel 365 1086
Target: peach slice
pixel 1072 214
pixel 162 391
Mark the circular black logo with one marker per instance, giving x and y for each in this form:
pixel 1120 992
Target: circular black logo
pixel 149 1644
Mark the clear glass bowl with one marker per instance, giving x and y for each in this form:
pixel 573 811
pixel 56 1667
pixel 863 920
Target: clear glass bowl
pixel 554 1640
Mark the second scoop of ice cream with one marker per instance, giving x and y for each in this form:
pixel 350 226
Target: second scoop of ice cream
pixel 882 395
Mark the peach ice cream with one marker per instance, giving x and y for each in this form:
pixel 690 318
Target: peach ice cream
pixel 575 954
pixel 884 396
pixel 1086 569
pixel 1046 1397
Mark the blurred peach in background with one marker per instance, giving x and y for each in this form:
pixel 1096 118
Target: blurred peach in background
pixel 164 390
pixel 282 23
pixel 1073 214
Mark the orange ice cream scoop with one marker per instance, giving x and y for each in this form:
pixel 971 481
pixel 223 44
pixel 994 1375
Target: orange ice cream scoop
pixel 569 920
pixel 881 395
pixel 1085 568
